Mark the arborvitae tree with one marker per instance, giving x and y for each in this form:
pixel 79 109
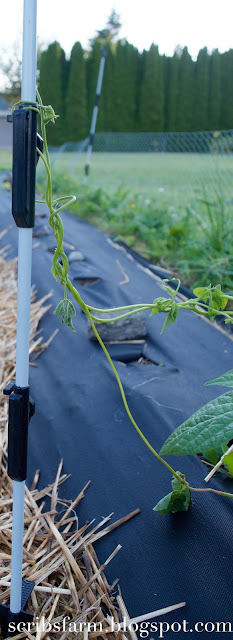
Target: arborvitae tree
pixel 165 68
pixel 184 120
pixel 171 91
pixel 139 81
pixel 125 87
pixel 226 115
pixel 151 113
pixel 76 97
pixel 52 89
pixel 201 91
pixel 141 92
pixel 131 89
pixel 214 107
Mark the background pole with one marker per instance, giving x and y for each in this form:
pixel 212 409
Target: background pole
pixel 95 110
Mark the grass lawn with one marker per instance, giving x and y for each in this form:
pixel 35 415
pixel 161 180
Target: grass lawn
pixel 175 177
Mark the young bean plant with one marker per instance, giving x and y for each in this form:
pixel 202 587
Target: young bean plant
pixel 208 301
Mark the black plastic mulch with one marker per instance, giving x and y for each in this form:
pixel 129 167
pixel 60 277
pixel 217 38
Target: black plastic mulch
pixel 80 417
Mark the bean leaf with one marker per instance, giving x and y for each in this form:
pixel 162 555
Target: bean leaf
pixel 206 429
pixel 215 296
pixel 66 310
pixel 228 461
pixel 172 315
pixel 226 380
pixel 178 500
pixel 161 304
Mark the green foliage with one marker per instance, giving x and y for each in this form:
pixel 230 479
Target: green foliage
pixel 201 88
pixel 151 99
pixel 66 310
pixel 171 90
pixel 185 102
pixel 214 296
pixel 76 96
pixel 141 91
pixel 226 380
pixel 214 455
pixel 206 429
pixel 226 115
pixel 178 500
pixel 195 244
pixel 52 85
pixel 124 88
pixel 215 101
pixel 228 461
pixel 210 426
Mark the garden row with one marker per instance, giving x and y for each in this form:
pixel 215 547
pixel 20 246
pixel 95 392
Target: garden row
pixel 193 241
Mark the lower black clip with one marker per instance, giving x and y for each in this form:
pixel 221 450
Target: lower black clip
pixel 14 623
pixel 21 409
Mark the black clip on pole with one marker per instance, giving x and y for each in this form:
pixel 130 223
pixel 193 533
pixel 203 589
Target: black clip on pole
pixel 25 158
pixel 21 407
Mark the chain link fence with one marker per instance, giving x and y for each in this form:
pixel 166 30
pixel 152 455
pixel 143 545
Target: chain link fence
pixel 181 166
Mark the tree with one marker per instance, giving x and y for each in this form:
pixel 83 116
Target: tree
pixel 214 107
pixel 11 68
pixel 76 97
pixel 201 90
pixel 52 85
pixel 226 107
pixel 110 32
pixel 185 98
pixel 151 113
pixel 125 86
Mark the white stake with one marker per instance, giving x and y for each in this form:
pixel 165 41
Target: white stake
pixel 95 113
pixel 28 93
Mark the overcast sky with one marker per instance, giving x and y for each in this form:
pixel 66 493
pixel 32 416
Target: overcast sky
pixel 164 22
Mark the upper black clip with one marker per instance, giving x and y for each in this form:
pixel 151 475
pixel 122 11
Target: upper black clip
pixel 24 165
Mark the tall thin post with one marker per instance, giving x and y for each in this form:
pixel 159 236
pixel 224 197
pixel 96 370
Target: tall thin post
pixel 28 94
pixel 95 110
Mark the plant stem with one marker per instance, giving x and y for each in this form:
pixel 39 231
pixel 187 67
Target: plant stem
pixel 85 309
pixel 222 493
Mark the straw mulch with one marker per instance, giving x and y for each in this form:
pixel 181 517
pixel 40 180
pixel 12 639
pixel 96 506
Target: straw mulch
pixel 59 557
pixel 58 552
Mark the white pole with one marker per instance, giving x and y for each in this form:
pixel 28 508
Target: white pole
pixel 95 114
pixel 28 93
